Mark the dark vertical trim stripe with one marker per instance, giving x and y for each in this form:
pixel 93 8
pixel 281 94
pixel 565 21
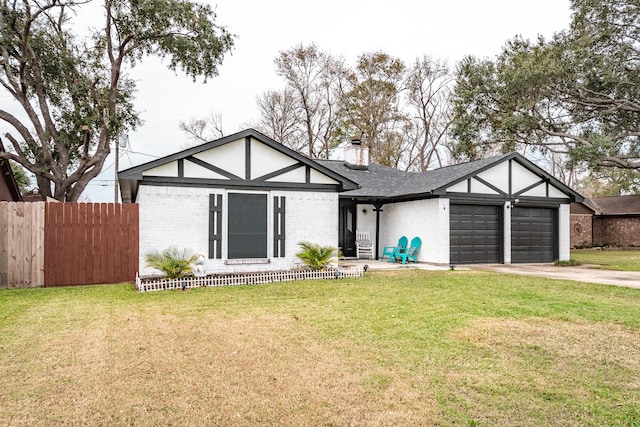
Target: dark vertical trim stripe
pixel 279 226
pixel 510 178
pixel 247 157
pixel 307 176
pixel 180 168
pixel 215 226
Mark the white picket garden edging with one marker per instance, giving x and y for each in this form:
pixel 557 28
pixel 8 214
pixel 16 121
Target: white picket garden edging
pixel 159 284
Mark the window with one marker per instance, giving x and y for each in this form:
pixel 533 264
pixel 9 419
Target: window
pixel 247 225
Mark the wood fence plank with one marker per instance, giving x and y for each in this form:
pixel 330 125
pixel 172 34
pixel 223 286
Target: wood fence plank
pixel 67 239
pixel 16 278
pixel 4 245
pixel 74 248
pixel 117 241
pixel 98 241
pixel 60 242
pixel 82 254
pixel 134 240
pixel 25 239
pixel 104 246
pixel 38 243
pixel 10 240
pixel 52 241
pixel 56 224
pixel 49 243
pixel 30 213
pixel 126 230
pixel 122 250
pixel 110 248
pixel 90 233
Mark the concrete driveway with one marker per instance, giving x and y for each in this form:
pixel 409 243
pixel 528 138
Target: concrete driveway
pixel 583 273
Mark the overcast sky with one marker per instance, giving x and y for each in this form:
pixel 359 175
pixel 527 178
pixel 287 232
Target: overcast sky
pixel 447 29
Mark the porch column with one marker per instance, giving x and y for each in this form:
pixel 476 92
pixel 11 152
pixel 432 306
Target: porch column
pixel 377 207
pixel 506 232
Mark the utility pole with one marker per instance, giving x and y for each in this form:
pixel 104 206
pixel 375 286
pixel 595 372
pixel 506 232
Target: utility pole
pixel 123 140
pixel 116 186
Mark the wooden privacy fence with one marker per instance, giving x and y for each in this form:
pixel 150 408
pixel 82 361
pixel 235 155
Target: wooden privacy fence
pixel 90 243
pixel 21 244
pixel 68 244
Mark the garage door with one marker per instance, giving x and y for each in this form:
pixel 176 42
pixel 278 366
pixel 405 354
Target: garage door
pixel 475 234
pixel 533 235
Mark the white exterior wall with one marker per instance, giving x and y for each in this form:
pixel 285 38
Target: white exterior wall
pixel 311 217
pixel 564 232
pixel 427 219
pixel 179 216
pixel 366 221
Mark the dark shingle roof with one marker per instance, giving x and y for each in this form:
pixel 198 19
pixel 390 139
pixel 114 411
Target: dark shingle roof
pixel 377 181
pixel 618 205
pixel 384 182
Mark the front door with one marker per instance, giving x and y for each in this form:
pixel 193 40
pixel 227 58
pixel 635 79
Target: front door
pixel 347 228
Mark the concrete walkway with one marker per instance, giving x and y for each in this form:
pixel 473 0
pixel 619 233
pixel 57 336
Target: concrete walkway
pixel 584 273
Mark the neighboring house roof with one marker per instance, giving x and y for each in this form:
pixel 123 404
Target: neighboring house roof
pixel 618 205
pixel 385 183
pixel 235 162
pixel 582 208
pixel 9 190
pixel 32 196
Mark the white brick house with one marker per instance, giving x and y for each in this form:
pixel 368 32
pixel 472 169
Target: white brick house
pixel 246 201
pixel 502 209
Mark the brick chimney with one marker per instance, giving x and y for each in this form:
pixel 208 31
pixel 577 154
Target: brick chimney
pixel 357 156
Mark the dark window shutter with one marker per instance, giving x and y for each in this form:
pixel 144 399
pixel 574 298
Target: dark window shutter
pixel 278 226
pixel 215 226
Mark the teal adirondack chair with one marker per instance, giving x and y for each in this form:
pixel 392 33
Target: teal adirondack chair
pixel 390 250
pixel 410 252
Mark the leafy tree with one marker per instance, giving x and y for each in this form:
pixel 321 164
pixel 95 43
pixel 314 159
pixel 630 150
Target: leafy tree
pixel 577 94
pixel 22 179
pixel 607 183
pixel 370 106
pixel 73 91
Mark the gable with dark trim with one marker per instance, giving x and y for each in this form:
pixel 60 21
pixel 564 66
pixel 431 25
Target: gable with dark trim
pixel 245 160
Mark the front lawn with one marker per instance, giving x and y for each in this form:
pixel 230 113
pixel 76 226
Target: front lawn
pixel 392 348
pixel 609 259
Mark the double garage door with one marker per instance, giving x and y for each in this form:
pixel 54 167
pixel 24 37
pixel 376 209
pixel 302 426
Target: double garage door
pixel 476 234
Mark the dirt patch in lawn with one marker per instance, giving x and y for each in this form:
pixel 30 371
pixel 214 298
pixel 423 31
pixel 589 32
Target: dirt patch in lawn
pixel 163 369
pixel 551 362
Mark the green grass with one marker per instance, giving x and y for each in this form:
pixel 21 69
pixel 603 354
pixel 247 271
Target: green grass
pixel 392 348
pixel 622 260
